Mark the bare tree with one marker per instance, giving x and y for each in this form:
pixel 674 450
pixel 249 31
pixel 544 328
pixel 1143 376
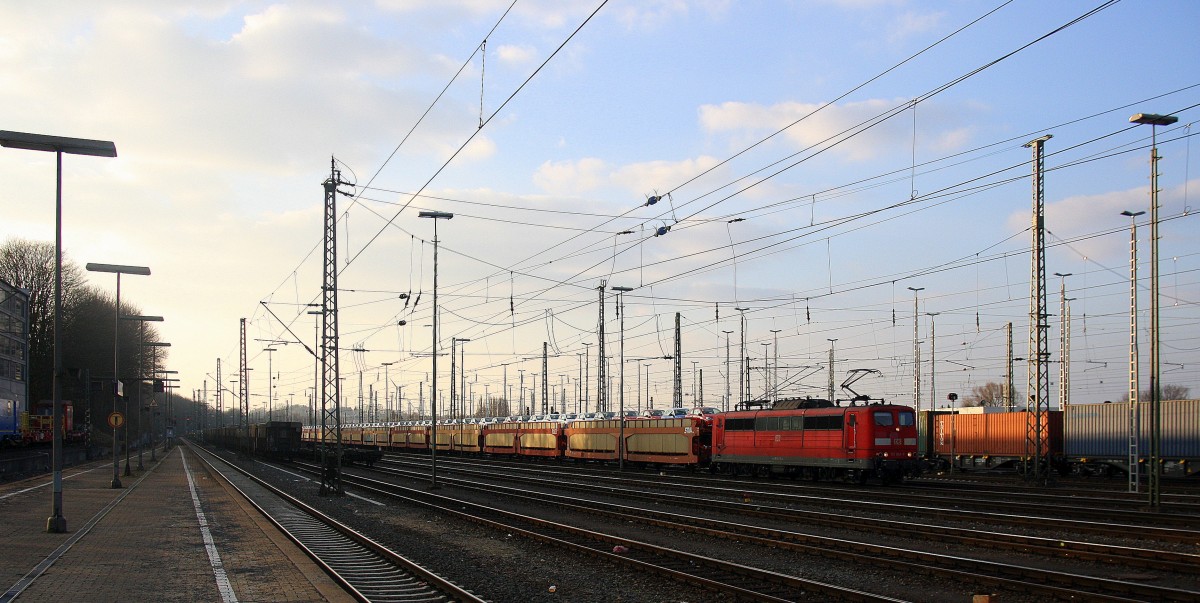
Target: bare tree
pixel 1169 392
pixel 988 394
pixel 30 265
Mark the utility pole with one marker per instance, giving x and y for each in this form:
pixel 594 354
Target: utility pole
pixel 462 373
pixel 243 385
pixel 742 369
pixel 601 373
pixel 1010 397
pixel 677 395
pixel 220 405
pixel 917 347
pixel 1039 350
pixel 694 398
pixel 621 315
pixel 270 383
pixel 587 378
pixel 775 374
pixel 361 417
pixel 1135 413
pixel 639 388
pixel 331 393
pixel 545 377
pixel 521 386
pixel 1064 343
pixel 932 361
pixel 831 392
pixel 727 390
pixel 766 370
pixel 387 392
pixel 647 390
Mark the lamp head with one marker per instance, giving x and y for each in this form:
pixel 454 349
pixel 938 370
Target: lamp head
pixel 1153 119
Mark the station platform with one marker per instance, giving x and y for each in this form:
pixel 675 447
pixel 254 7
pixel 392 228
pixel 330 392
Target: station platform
pixel 172 533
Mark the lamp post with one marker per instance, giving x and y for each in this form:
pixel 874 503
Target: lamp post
pixel 1154 121
pixel 117 390
pixel 72 146
pixel 141 408
pixel 621 396
pixel 154 407
pixel 142 341
pixel 435 216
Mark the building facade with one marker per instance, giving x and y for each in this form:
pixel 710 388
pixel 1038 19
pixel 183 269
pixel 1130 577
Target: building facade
pixel 14 357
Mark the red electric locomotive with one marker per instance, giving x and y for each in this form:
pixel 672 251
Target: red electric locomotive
pixel 819 440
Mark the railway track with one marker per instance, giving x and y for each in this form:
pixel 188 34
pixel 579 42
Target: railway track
pixel 1064 491
pixel 1178 510
pixel 367 570
pixel 725 493
pixel 740 581
pixel 1002 575
pixel 1121 556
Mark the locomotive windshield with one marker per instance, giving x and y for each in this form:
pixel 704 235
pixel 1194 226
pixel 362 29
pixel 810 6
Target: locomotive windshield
pixel 883 419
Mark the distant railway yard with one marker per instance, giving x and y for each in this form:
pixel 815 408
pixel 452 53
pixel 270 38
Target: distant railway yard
pixel 513 529
pixel 504 528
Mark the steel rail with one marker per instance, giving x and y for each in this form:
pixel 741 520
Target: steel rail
pixel 366 569
pixel 1015 577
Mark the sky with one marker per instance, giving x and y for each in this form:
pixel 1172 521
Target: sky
pixel 813 160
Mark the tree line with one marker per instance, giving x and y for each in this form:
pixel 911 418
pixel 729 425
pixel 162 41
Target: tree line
pixel 992 394
pixel 88 317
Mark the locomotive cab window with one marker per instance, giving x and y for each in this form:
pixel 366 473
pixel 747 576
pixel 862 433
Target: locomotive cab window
pixel 907 419
pixel 883 419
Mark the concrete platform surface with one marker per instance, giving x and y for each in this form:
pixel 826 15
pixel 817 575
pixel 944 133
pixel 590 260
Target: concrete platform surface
pixel 173 533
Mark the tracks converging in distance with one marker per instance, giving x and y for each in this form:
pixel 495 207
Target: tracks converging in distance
pixel 366 569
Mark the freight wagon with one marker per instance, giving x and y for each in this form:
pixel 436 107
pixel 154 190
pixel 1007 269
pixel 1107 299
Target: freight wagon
pixel 1097 437
pixel 1089 439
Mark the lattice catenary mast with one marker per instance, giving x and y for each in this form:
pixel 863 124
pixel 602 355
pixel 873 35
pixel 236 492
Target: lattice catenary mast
pixel 1039 347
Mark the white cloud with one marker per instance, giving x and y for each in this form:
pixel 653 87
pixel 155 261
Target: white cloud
pixel 571 177
pixel 809 125
pixel 516 54
pixel 646 177
pixel 1083 214
pixel 910 24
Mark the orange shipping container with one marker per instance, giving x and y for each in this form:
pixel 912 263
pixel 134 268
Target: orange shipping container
pixel 993 434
